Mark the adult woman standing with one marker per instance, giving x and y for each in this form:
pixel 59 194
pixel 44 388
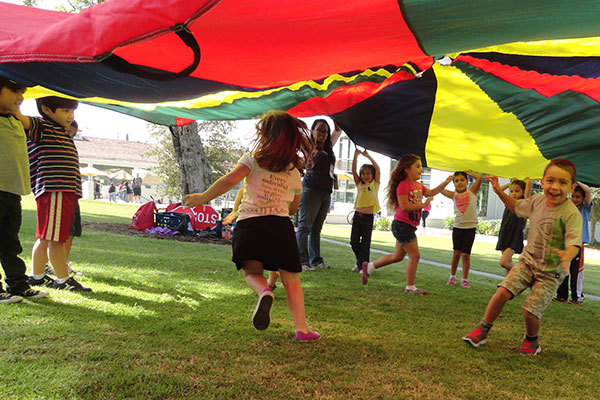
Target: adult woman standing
pixel 317 186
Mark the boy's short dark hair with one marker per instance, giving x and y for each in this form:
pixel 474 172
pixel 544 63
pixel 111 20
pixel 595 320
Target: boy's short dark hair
pixel 54 102
pixel 10 84
pixel 580 190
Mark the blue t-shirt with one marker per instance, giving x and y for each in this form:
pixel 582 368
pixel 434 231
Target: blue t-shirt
pixel 585 210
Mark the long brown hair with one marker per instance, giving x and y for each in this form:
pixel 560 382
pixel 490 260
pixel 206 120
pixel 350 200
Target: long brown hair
pixel 281 140
pixel 397 176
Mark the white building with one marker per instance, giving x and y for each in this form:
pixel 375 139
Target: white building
pixel 110 155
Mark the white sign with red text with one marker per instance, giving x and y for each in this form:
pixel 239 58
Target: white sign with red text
pixel 202 217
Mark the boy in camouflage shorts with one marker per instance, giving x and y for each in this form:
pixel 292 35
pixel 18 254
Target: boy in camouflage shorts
pixel 554 240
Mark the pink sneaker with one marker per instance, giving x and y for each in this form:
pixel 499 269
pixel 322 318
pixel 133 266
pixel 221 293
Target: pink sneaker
pixel 308 335
pixel 464 284
pixel 416 291
pixel 365 274
pixel 451 280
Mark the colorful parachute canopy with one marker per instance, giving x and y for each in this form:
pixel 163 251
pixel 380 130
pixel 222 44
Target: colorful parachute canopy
pixel 521 87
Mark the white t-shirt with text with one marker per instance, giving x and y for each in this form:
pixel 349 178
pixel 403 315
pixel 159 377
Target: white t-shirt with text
pixel 267 192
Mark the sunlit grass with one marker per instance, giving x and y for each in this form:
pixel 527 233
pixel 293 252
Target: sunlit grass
pixel 171 320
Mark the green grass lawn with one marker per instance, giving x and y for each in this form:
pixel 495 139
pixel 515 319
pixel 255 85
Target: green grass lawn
pixel 171 320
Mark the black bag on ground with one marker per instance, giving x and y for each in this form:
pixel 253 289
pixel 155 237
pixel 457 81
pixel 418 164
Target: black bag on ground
pixel 175 221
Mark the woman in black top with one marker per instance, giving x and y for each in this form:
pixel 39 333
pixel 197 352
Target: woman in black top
pixel 317 186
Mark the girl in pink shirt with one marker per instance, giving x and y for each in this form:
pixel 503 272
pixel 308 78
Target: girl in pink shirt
pixel 405 194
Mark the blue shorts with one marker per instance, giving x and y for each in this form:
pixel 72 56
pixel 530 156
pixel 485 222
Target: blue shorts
pixel 403 232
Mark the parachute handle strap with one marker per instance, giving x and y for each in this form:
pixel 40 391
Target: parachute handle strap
pixel 119 64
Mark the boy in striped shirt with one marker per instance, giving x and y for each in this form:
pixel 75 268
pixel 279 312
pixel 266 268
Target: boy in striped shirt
pixel 56 185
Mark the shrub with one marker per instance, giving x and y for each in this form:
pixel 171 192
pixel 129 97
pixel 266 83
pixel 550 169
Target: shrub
pixel 488 226
pixel 383 224
pixel 448 222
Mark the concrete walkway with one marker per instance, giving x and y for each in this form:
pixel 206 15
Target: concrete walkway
pixel 589 253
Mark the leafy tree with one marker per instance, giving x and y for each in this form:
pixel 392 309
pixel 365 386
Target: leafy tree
pixel 213 139
pixel 166 166
pixel 222 153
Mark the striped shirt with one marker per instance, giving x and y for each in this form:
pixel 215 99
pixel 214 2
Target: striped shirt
pixel 53 159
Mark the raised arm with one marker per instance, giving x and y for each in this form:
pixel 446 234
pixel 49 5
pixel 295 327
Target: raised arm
pixel 528 185
pixel 478 178
pixel 508 201
pixel 440 189
pixel 25 120
pixel 377 169
pixel 222 185
pixel 354 162
pixel 337 132
pixel 588 192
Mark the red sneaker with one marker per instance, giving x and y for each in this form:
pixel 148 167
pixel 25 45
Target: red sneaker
pixel 476 337
pixel 528 347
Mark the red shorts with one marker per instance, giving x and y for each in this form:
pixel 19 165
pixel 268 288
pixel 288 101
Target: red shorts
pixel 55 212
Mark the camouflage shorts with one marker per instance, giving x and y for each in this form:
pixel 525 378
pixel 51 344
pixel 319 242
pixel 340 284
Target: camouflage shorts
pixel 543 287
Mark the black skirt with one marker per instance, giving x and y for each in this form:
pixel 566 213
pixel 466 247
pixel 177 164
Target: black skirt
pixel 270 240
pixel 511 232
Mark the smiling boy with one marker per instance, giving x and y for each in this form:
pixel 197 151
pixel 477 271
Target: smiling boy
pixel 554 239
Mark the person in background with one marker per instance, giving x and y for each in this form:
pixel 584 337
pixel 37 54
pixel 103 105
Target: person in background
pixel 112 195
pixel 510 237
pixel 137 189
pixel 582 199
pixel 465 223
pixel 317 186
pixel 366 205
pixel 14 183
pixel 405 193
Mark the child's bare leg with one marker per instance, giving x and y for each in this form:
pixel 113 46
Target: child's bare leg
pixel 506 260
pixel 466 265
pixel 253 273
pixel 272 278
pixel 68 245
pixel 396 256
pixel 39 256
pixel 58 259
pixel 454 262
pixel 532 323
pixel 494 307
pixel 295 298
pixel 412 250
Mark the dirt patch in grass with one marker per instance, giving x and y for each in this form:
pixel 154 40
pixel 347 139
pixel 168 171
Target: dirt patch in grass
pixel 126 229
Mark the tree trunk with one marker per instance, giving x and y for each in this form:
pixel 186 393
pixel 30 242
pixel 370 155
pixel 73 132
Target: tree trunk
pixel 195 171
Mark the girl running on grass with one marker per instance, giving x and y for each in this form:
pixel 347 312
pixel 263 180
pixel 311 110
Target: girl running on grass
pixel 405 194
pixel 264 234
pixel 365 207
pixel 510 237
pixel 465 223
